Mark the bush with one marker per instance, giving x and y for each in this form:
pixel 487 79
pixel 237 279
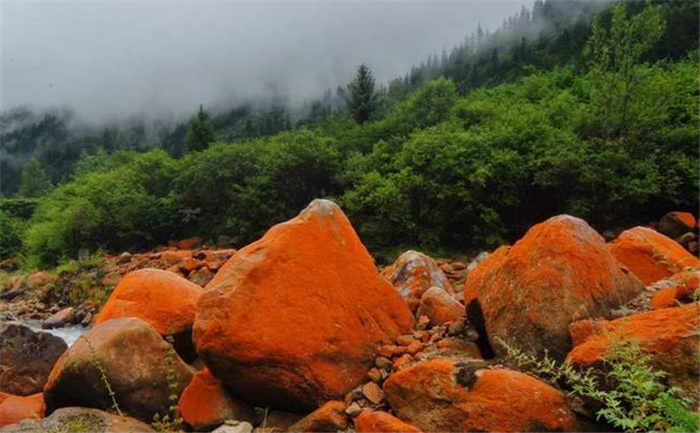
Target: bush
pixel 127 207
pixel 12 233
pixel 633 396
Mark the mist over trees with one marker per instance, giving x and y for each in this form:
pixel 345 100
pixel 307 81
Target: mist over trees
pixel 561 113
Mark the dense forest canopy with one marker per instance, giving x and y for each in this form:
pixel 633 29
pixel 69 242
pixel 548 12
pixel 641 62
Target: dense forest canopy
pixel 580 107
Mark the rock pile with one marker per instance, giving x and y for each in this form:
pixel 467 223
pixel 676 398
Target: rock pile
pixel 299 331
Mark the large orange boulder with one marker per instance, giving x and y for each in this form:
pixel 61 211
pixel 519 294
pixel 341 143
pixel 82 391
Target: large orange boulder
pixel 162 299
pixel 413 273
pixel 141 368
pixel 528 294
pixel 670 336
pixel 205 404
pixel 295 319
pixel 650 255
pixel 382 422
pixel 15 408
pixel 440 395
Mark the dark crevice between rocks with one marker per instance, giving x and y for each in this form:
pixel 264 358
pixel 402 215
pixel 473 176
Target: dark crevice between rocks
pixel 475 319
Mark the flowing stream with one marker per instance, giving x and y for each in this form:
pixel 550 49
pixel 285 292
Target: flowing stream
pixel 68 334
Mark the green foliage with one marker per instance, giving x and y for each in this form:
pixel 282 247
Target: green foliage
pixel 35 181
pixel 633 396
pixel 362 100
pixel 614 58
pixel 437 170
pixel 103 376
pixel 171 421
pixel 12 231
pixel 200 131
pixel 128 206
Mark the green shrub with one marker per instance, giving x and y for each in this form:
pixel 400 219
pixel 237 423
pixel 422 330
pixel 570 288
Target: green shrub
pixel 633 396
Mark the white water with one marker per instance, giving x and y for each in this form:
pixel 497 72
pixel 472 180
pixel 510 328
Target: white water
pixel 68 334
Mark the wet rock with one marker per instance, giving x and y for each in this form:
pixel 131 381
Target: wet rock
pixel 132 355
pixel 60 319
pixel 294 319
pixel 26 358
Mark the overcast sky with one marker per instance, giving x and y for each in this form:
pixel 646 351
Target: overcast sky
pixel 119 59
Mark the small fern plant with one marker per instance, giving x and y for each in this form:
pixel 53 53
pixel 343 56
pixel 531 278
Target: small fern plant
pixel 637 401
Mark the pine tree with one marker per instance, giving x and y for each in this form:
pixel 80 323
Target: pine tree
pixel 200 131
pixel 35 181
pixel 362 100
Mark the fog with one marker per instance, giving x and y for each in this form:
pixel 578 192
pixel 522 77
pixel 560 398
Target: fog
pixel 112 60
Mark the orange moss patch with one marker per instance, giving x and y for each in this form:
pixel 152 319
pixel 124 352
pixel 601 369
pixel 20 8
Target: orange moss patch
pixel 650 255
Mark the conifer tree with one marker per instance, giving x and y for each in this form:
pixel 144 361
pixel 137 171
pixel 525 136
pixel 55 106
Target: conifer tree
pixel 362 99
pixel 200 131
pixel 35 181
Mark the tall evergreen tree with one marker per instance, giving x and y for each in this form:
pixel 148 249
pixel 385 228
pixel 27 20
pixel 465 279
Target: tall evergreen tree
pixel 200 131
pixel 362 100
pixel 35 181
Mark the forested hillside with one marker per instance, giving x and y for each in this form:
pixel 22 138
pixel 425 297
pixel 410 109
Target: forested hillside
pixel 547 115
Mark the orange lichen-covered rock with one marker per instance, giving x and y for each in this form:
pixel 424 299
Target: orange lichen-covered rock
pixel 295 319
pixel 528 294
pixel 670 336
pixel 330 417
pixel 175 256
pixel 685 285
pixel 413 273
pixel 15 408
pixel 440 307
pixel 650 255
pixel 205 404
pixel 439 395
pixel 382 422
pixel 162 299
pixel 674 224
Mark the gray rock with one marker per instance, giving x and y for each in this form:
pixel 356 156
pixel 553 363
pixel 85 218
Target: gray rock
pixel 80 419
pixel 26 358
pixel 233 426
